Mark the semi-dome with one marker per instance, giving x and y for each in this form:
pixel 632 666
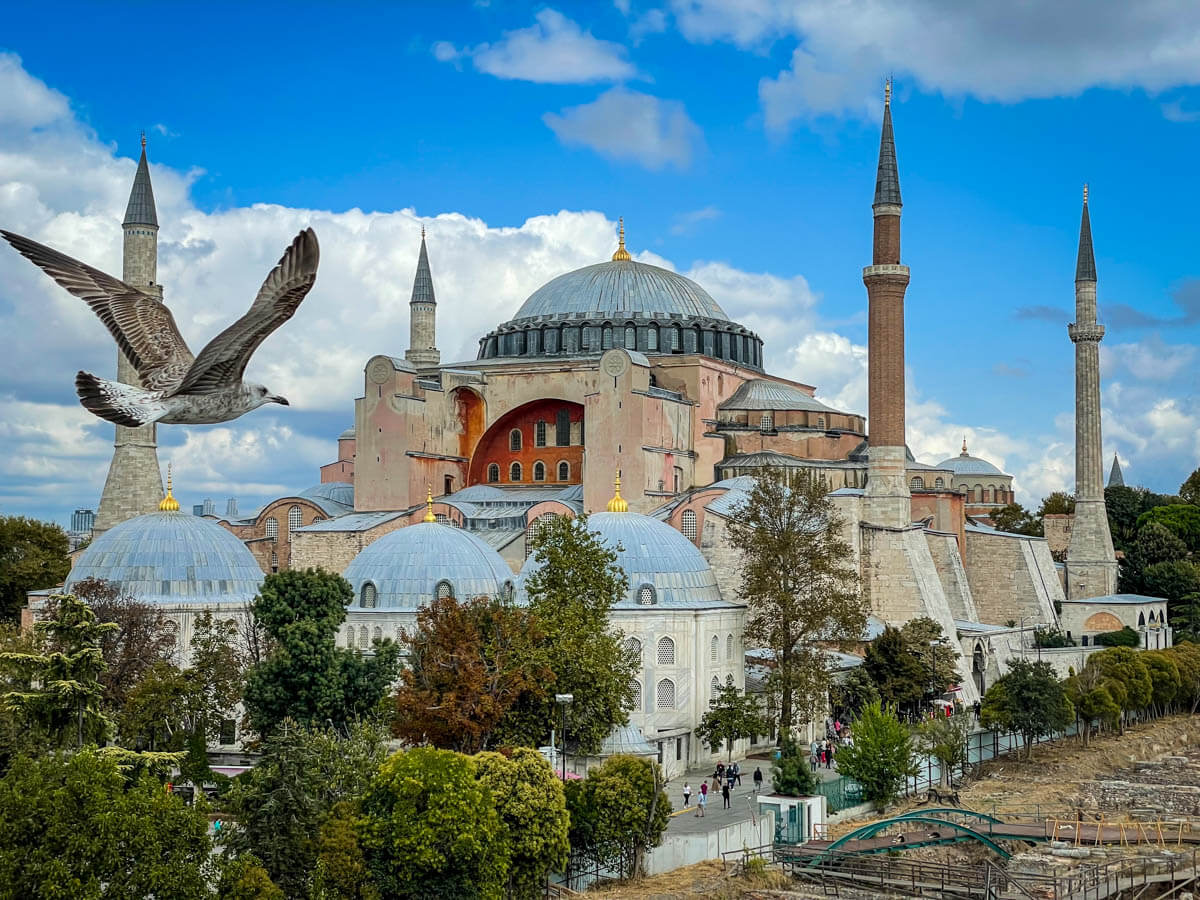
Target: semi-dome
pixel 665 569
pixel 965 464
pixel 330 495
pixel 407 569
pixel 171 557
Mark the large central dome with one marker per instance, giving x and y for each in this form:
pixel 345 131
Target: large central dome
pixel 621 288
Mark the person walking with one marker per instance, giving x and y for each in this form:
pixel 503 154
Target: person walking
pixel 829 754
pixel 687 793
pixel 757 779
pixel 730 780
pixel 702 800
pixel 814 752
pixel 725 794
pixel 737 774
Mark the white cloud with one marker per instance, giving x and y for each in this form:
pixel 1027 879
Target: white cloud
pixel 627 125
pixel 686 222
pixel 554 50
pixel 1151 359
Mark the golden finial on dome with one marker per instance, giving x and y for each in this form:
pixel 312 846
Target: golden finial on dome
pixel 887 91
pixel 169 503
pixel 964 453
pixel 1085 193
pixel 622 255
pixel 429 516
pixel 143 140
pixel 618 503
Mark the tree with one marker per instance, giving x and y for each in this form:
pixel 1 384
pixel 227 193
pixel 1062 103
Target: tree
pixel 430 828
pixel 33 555
pixel 1156 543
pixel 60 694
pixel 1164 679
pixel 792 773
pixel 571 592
pixel 341 871
pixel 851 692
pixel 1187 660
pixel 279 805
pixel 1172 580
pixel 468 663
pixel 1124 505
pixel 1125 666
pixel 306 677
pixel 74 826
pixel 1189 491
pixel 800 585
pixel 881 756
pixel 945 739
pixel 1181 519
pixel 532 807
pixel 243 878
pixel 1016 519
pixel 895 669
pixel 631 811
pixel 1122 637
pixel 1185 617
pixel 731 715
pixel 938 659
pixel 1029 699
pixel 1095 697
pixel 1057 503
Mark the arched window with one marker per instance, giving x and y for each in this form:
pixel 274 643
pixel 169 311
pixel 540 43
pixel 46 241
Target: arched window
pixel 377 634
pixel 714 690
pixel 539 471
pixel 493 473
pixel 539 433
pixel 274 561
pixel 676 338
pixel 820 421
pixel 917 483
pixel 666 694
pixel 652 338
pixel 295 518
pixel 317 519
pixel 272 529
pixel 666 652
pixel 633 647
pixel 630 337
pixel 714 649
pixel 728 647
pixel 646 595
pixel 1141 620
pixel 939 482
pixel 564 471
pixel 767 423
pixel 363 641
pixel 514 472
pixel 688 524
pixel 444 590
pixel 607 339
pixel 368 596
pixel 635 689
pixel 514 439
pixel 350 641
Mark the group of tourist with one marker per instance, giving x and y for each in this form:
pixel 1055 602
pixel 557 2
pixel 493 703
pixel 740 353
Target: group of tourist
pixel 823 752
pixel 725 777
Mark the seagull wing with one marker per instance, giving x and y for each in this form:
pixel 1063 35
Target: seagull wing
pixel 223 360
pixel 142 326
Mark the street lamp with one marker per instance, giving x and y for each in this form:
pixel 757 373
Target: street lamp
pixel 564 700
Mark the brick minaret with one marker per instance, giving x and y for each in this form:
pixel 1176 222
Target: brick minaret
pixel 1091 563
pixel 887 498
pixel 422 316
pixel 134 482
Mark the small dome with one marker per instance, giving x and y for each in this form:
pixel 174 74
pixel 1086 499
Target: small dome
pixel 655 556
pixel 340 493
pixel 406 567
pixel 171 557
pixel 964 464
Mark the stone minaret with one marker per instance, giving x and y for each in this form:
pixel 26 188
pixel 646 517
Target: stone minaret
pixel 1091 563
pixel 134 483
pixel 1116 477
pixel 887 498
pixel 422 316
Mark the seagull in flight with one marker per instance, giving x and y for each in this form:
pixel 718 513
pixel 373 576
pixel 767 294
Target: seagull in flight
pixel 178 388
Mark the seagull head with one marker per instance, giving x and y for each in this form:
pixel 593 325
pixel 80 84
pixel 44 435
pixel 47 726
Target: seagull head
pixel 262 395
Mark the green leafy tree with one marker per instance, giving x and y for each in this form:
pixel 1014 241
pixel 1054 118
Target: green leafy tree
pixel 1185 617
pixel 243 878
pixel 1125 666
pixel 74 826
pixel 852 691
pixel 1016 519
pixel 1156 543
pixel 1096 699
pixel 1030 700
pixel 1189 491
pixel 1051 638
pixel 430 828
pixel 631 811
pixel 895 668
pixel 938 658
pixel 59 696
pixel 1122 637
pixel 792 773
pixel 279 805
pixel 800 584
pixel 731 715
pixel 1057 503
pixel 1172 580
pixel 341 872
pixel 1124 505
pixel 1164 679
pixel 33 556
pixel 570 595
pixel 1181 519
pixel 881 756
pixel 1187 660
pixel 532 807
pixel 306 677
pixel 945 739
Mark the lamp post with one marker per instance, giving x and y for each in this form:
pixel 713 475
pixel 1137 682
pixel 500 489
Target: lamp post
pixel 564 700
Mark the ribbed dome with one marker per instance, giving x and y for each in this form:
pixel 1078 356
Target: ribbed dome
pixel 964 464
pixel 171 557
pixel 406 566
pixel 621 289
pixel 652 554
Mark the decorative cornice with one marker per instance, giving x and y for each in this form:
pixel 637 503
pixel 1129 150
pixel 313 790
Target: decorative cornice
pixel 1093 332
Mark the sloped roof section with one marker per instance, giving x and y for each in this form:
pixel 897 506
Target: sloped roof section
pixel 140 210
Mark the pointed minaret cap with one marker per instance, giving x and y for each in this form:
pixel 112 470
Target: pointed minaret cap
pixel 429 516
pixel 1116 478
pixel 618 503
pixel 887 177
pixel 422 291
pixel 621 254
pixel 169 503
pixel 1085 262
pixel 140 210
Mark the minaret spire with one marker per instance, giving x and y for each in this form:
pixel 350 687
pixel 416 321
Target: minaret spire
pixel 422 315
pixel 1085 260
pixel 887 177
pixel 1116 478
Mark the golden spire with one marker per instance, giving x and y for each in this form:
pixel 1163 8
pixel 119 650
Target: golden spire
pixel 1085 193
pixel 622 255
pixel 169 503
pixel 429 516
pixel 887 92
pixel 964 453
pixel 143 140
pixel 618 503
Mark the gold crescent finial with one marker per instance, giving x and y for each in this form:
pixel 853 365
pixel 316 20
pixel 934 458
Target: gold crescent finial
pixel 429 516
pixel 618 504
pixel 622 255
pixel 169 503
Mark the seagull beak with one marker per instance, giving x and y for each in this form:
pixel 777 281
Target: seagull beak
pixel 282 401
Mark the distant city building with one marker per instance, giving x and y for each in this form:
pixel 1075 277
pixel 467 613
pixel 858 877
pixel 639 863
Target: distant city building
pixel 82 520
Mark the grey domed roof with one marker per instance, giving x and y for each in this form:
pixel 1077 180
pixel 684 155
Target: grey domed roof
pixel 965 464
pixel 758 393
pixel 621 288
pixel 331 495
pixel 655 554
pixel 171 557
pixel 406 566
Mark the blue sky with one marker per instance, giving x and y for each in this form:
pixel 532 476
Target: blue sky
pixel 738 140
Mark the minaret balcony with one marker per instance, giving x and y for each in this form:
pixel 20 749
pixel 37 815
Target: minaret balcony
pixel 1093 332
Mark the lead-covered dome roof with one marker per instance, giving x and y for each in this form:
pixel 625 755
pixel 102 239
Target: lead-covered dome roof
pixel 171 557
pixel 403 570
pixel 965 464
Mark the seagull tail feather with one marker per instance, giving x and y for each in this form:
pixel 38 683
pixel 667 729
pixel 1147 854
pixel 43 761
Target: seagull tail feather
pixel 115 402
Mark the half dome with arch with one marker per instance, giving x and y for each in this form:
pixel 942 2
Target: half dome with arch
pixel 407 569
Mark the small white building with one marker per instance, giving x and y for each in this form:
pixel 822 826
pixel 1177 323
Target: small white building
pixel 1084 620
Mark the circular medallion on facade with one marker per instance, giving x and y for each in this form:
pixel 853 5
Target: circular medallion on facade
pixel 614 363
pixel 380 370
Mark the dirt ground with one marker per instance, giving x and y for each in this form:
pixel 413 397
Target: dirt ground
pixel 1049 783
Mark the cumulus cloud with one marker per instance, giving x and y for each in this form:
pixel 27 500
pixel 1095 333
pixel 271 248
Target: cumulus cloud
pixel 630 126
pixel 991 51
pixel 554 50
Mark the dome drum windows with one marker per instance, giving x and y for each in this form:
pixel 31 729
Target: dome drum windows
pixel 916 483
pixel 766 424
pixel 666 652
pixel 444 590
pixel 646 595
pixel 368 596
